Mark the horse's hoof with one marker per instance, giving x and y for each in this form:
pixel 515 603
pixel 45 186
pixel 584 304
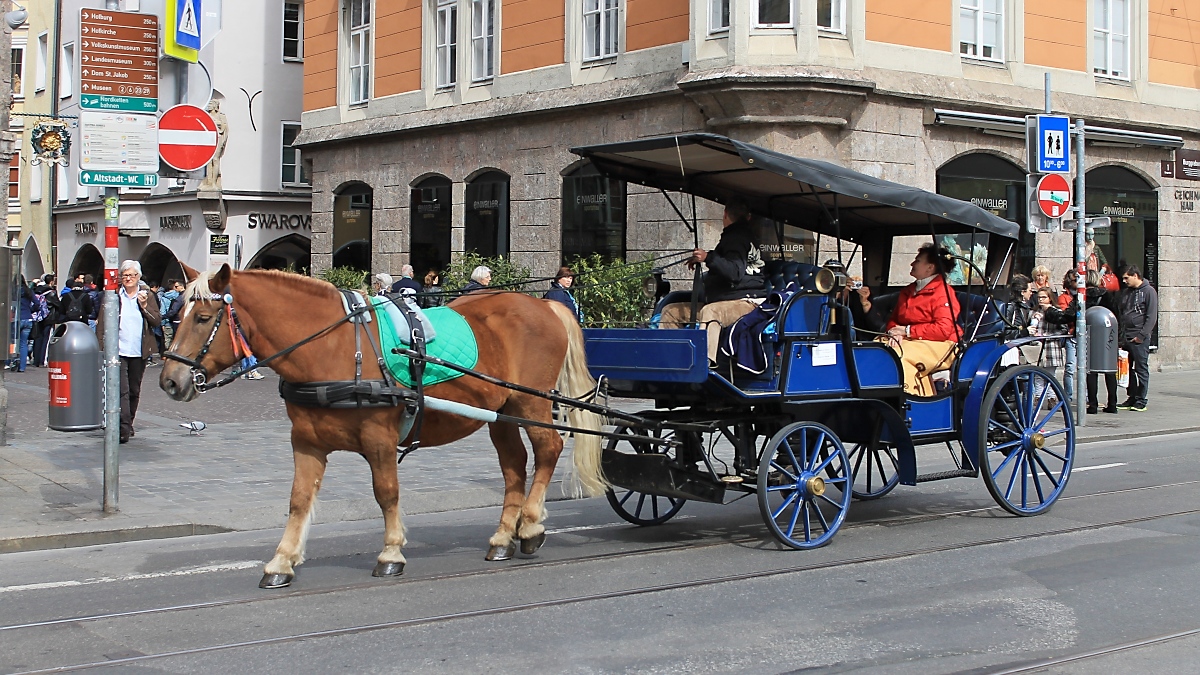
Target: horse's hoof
pixel 531 545
pixel 388 569
pixel 498 553
pixel 275 581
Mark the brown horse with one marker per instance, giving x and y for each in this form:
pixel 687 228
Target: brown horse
pixel 536 343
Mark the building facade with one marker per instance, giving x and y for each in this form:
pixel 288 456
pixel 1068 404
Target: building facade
pixel 250 206
pixel 438 126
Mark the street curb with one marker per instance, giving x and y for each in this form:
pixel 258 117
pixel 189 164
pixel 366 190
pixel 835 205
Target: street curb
pixel 76 539
pixel 1139 434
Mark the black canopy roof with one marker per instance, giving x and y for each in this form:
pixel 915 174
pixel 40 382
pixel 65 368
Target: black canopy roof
pixel 789 189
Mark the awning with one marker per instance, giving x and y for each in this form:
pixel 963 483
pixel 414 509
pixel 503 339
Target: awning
pixel 807 193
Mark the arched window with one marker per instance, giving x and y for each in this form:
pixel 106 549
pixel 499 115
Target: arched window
pixel 486 215
pixel 159 264
pixel 352 227
pixel 288 251
pixel 430 225
pixel 88 260
pixel 1132 203
pixel 593 215
pixel 993 184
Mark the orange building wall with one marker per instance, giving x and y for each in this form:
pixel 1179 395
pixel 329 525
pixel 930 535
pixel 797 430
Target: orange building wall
pixel 397 47
pixel 320 53
pixel 1175 42
pixel 915 23
pixel 532 34
pixel 1056 34
pixel 653 23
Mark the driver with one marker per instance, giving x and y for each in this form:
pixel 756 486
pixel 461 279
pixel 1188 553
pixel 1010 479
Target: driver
pixel 922 328
pixel 734 279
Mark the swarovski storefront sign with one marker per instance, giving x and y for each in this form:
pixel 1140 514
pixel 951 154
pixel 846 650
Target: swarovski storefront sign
pixel 282 221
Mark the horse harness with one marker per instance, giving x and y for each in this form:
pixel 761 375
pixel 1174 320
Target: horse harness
pixel 338 394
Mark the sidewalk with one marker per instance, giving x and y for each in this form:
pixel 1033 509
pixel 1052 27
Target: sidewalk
pixel 236 475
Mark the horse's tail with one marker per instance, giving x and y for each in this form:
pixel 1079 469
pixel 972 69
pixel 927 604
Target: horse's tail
pixel 575 381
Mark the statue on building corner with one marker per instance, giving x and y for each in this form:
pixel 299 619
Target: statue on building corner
pixel 212 173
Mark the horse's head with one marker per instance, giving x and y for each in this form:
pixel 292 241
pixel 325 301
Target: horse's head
pixel 203 343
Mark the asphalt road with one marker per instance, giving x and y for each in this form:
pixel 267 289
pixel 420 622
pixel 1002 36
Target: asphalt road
pixel 932 579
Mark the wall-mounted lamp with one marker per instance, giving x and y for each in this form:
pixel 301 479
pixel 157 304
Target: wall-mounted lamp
pixel 16 18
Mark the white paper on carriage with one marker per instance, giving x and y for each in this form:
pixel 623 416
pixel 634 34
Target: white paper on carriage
pixel 824 354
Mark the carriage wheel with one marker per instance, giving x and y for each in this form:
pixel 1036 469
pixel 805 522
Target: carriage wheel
pixel 640 508
pixel 1027 443
pixel 797 467
pixel 874 466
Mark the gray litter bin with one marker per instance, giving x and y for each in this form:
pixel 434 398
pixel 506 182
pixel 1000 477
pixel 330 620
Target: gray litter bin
pixel 76 391
pixel 1102 340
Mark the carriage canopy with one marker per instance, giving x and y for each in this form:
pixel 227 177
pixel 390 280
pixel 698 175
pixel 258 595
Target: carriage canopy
pixel 807 193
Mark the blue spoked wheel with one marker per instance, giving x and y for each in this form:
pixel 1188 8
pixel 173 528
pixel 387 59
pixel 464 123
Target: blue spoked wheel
pixel 804 485
pixel 874 466
pixel 636 507
pixel 1027 440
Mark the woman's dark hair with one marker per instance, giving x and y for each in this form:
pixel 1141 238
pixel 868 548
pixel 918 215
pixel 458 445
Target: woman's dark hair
pixel 938 256
pixel 564 272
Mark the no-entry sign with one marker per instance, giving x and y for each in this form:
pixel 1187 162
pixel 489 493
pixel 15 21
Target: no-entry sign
pixel 187 137
pixel 1053 195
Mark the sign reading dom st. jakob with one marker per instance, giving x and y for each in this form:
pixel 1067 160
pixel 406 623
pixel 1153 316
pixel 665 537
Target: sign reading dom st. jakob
pixel 281 221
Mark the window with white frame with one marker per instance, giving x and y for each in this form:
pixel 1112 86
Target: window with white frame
pixel 446 43
pixel 14 181
pixel 62 187
pixel 360 51
pixel 981 29
pixel 1110 38
pixel 35 182
pixel 831 15
pixel 600 29
pixel 483 40
pixel 292 173
pixel 718 16
pixel 293 31
pixel 43 56
pixel 18 71
pixel 773 13
pixel 66 71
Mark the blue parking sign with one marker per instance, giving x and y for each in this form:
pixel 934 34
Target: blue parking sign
pixel 1053 142
pixel 187 23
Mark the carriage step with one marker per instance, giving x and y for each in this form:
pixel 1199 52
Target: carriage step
pixel 653 474
pixel 943 475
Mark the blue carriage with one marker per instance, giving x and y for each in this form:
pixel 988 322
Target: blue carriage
pixel 828 419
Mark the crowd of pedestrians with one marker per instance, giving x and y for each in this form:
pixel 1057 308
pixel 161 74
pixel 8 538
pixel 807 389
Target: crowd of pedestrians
pixel 1035 308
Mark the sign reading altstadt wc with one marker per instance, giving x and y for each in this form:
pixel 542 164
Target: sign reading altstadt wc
pixel 118 61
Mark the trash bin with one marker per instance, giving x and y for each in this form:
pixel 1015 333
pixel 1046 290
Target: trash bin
pixel 76 390
pixel 1102 340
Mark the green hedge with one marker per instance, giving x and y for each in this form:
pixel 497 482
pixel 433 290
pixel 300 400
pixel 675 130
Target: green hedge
pixel 348 278
pixel 612 293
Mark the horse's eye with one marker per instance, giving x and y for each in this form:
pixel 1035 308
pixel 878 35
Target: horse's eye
pixel 202 318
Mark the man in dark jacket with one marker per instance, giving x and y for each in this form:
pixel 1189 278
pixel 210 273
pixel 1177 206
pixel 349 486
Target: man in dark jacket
pixel 76 303
pixel 137 314
pixel 406 285
pixel 734 280
pixel 1139 314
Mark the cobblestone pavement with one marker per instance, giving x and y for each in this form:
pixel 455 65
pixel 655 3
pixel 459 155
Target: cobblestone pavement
pixel 237 473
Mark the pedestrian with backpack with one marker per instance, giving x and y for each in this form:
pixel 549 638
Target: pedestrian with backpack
pixel 89 285
pixel 77 304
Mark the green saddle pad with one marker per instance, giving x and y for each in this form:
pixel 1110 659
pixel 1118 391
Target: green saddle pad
pixel 454 342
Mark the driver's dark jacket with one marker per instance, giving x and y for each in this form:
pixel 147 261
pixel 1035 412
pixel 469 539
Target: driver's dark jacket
pixel 727 278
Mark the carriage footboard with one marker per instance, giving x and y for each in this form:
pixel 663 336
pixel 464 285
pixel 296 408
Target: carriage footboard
pixel 653 474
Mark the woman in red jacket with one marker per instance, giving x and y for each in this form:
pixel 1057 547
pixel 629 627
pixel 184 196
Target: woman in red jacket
pixel 923 328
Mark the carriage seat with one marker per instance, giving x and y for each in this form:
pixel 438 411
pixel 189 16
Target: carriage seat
pixel 780 273
pixel 970 306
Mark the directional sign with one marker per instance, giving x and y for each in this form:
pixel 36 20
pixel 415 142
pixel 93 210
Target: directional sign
pixel 118 61
pixel 1049 139
pixel 114 141
pixel 187 137
pixel 117 179
pixel 1053 195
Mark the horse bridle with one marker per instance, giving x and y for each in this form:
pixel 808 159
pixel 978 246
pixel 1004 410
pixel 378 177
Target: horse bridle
pixel 238 337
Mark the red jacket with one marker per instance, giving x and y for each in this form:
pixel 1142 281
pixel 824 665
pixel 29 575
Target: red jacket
pixel 931 312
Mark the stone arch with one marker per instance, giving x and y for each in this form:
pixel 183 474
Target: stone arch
pixel 1138 180
pixel 159 263
pixel 31 259
pixel 292 250
pixel 1015 160
pixel 88 260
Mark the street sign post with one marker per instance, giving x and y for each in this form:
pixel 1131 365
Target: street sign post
pixel 1053 195
pixel 1048 138
pixel 187 137
pixel 118 61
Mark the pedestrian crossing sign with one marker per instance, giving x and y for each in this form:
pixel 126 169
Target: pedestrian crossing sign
pixel 182 39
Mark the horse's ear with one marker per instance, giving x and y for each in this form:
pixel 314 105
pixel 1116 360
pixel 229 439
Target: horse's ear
pixel 189 273
pixel 220 280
